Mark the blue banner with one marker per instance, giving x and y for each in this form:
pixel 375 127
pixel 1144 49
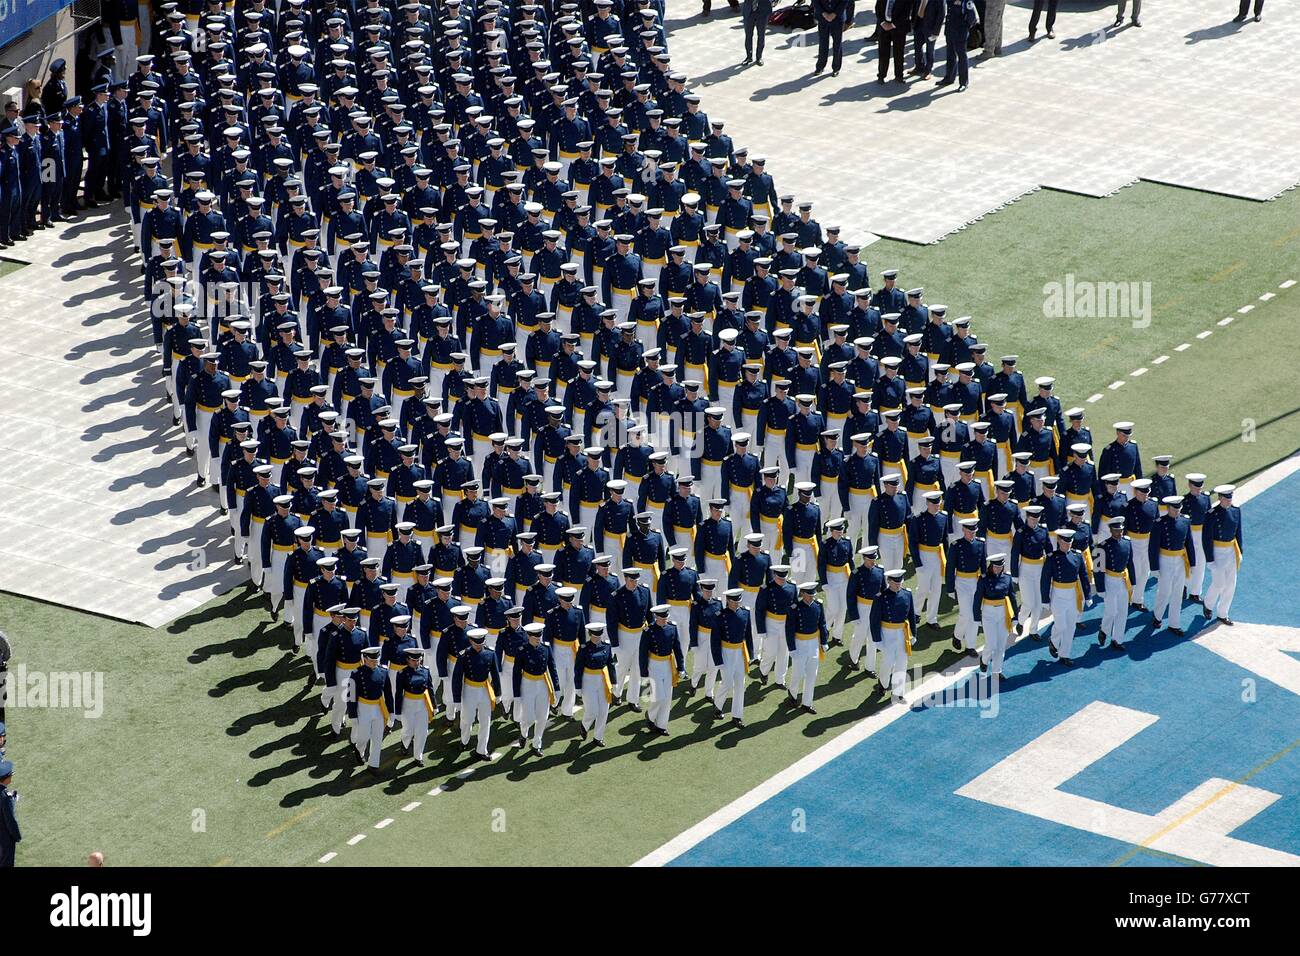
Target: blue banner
pixel 19 16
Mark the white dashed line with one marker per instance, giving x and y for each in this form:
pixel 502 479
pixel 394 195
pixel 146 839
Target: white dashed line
pixel 1114 385
pixel 1267 295
pixel 356 839
pixel 434 792
pixel 1095 398
pixel 1204 335
pixel 410 806
pixel 1183 348
pixel 1287 284
pixel 1226 321
pixel 1160 360
pixel 1138 371
pixel 383 823
pixel 327 857
pixel 1245 308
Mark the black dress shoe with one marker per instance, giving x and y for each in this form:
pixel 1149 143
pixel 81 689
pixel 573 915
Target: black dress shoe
pixel 1101 639
pixel 1226 620
pixel 746 61
pixel 1052 649
pixel 956 644
pixel 759 61
pixel 1067 662
pixel 984 668
pixel 1051 35
pixel 810 708
pixel 1240 19
pixel 944 82
pixel 1177 630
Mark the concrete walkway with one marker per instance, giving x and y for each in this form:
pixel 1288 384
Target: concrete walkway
pixel 1187 99
pixel 98 502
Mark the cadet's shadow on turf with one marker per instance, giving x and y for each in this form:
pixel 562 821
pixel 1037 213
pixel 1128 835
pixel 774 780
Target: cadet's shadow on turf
pixel 246 600
pixel 244 646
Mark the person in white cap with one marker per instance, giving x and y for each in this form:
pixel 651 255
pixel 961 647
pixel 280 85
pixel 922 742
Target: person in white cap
pixel 1222 543
pixel 1066 589
pixel 412 701
pixel 565 629
pixel 733 649
pixel 864 587
pixel 476 685
pixel 887 521
pixel 663 663
pixel 1115 580
pixel 966 564
pixel 535 679
pixel 1029 551
pixel 893 624
pixel 927 537
pixel 806 637
pixel 369 704
pixel 801 532
pixel 1196 505
pixel 1140 515
pixel 835 569
pixel 1123 458
pixel 1173 551
pixel 996 602
pixel 594 672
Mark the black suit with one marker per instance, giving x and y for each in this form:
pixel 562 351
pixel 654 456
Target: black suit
pixel 891 44
pixel 1038 10
pixel 755 14
pixel 830 33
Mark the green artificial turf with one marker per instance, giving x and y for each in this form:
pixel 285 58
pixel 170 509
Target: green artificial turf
pixel 211 750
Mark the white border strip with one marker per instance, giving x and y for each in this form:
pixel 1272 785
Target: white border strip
pixel 865 728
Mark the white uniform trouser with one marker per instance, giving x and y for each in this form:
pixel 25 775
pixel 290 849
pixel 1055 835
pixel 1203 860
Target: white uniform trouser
pixel 804 663
pixel 715 568
pixel 856 528
pixel 893 658
pixel 595 705
pixel 1223 580
pixel 415 726
pixel 1065 614
pixel 996 635
pixel 315 621
pixel 929 588
pixel 727 400
pixel 803 458
pixel 1196 580
pixel 535 708
pixel 835 596
pixel 476 707
pixel 661 691
pixel 704 673
pixel 297 614
pixel 948 467
pixel 1031 605
pixel 738 503
pixel 628 664
pixel 203 460
pixel 769 530
pixel 369 732
pixel 1114 615
pixel 710 483
pixel 377 545
pixel 681 616
pixel 566 693
pixel 891 549
pixel 775 656
pixel 773 451
pixel 508 686
pixel 1141 571
pixel 1169 590
pixel 803 563
pixel 448 701
pixel 967 628
pixel 732 681
pixel 273 583
pixel 338 698
pixel 254 545
pixel 860 642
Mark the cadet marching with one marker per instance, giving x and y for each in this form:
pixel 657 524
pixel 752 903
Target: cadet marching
pixel 528 397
